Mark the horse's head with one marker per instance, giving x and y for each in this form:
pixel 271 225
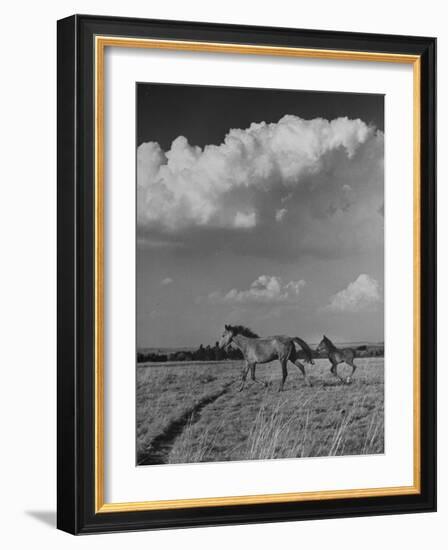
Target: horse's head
pixel 226 338
pixel 323 346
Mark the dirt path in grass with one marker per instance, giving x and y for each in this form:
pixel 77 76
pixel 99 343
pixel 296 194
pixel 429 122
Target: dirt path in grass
pixel 162 444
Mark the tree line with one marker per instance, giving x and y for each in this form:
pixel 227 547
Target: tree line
pixel 202 353
pixel 215 353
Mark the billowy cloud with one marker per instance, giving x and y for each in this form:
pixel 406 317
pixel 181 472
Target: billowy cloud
pixel 360 295
pixel 245 219
pixel 265 289
pixel 287 190
pixel 221 185
pixel 167 281
pixel 280 214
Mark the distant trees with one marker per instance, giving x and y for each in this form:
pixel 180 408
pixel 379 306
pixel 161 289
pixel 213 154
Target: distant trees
pixel 215 353
pixel 202 353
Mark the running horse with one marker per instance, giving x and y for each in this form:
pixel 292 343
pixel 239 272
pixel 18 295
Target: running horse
pixel 263 350
pixel 337 356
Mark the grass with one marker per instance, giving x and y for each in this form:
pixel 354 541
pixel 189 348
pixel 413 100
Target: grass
pixel 196 413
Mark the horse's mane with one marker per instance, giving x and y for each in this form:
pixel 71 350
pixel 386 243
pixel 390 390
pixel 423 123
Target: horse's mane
pixel 240 329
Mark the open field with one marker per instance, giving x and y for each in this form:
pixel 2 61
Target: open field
pixel 193 412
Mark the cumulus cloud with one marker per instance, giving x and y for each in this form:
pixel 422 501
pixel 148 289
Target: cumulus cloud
pixel 167 281
pixel 265 289
pixel 221 186
pixel 360 295
pixel 280 214
pixel 245 219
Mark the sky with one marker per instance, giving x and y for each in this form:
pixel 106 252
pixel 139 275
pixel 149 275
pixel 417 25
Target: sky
pixel 258 207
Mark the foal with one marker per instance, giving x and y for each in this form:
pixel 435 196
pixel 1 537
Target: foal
pixel 337 356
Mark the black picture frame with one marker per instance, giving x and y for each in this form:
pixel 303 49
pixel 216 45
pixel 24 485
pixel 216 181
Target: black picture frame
pixel 76 511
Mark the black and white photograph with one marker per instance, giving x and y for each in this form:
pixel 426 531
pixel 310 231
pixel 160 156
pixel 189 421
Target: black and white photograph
pixel 260 274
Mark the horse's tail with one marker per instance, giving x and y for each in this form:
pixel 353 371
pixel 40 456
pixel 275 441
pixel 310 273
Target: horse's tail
pixel 306 348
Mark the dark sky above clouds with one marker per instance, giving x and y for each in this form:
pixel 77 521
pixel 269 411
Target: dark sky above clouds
pixel 204 114
pixel 262 207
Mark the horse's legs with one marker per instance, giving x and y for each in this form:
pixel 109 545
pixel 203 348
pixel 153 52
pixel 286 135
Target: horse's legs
pixel 334 368
pixel 244 376
pixel 252 375
pixel 334 371
pixel 352 364
pixel 283 363
pixel 252 372
pixel 301 366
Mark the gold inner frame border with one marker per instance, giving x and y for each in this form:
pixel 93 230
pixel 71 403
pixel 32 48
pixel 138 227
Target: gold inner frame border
pixel 100 44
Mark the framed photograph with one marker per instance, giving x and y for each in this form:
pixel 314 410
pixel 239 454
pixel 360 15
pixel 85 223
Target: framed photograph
pixel 246 274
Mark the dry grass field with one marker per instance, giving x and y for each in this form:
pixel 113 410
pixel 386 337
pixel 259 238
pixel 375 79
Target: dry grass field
pixel 193 412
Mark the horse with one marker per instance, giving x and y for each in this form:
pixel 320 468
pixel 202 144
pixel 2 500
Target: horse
pixel 337 356
pixel 263 350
